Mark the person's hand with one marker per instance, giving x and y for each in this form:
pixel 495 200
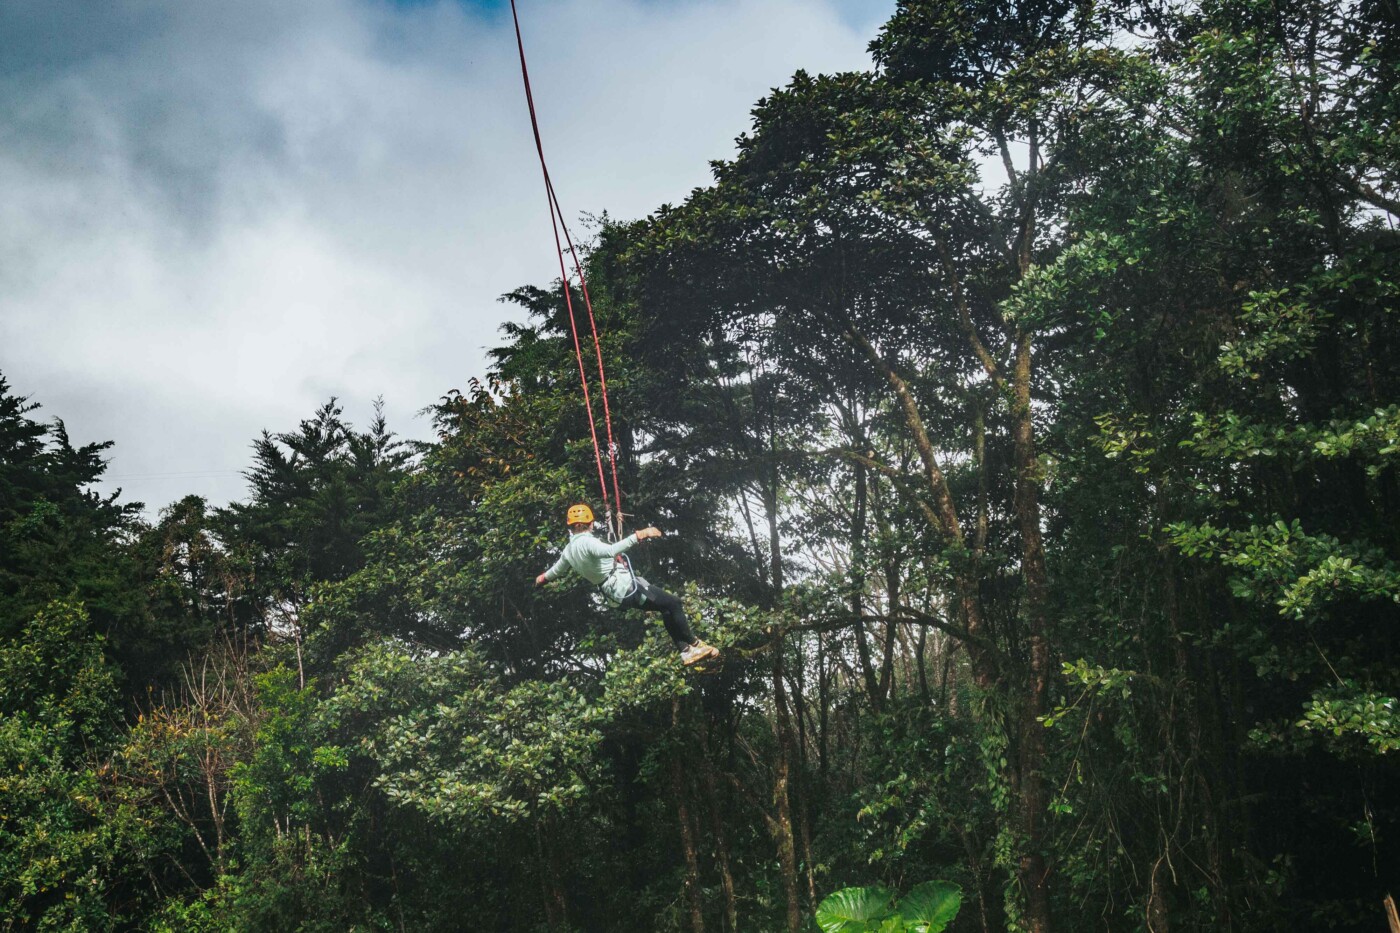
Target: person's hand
pixel 651 532
pixel 540 580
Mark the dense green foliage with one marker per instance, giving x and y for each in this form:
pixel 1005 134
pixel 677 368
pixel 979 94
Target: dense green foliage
pixel 1027 414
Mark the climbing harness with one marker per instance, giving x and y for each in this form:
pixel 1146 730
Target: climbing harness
pixel 612 504
pixel 623 559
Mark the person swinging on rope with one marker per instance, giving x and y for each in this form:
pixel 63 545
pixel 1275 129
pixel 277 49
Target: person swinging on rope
pixel 604 566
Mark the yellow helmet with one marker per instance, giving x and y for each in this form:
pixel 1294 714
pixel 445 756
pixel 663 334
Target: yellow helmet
pixel 580 514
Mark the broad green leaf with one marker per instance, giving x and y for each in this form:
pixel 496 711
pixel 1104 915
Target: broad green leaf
pixel 931 906
pixel 854 910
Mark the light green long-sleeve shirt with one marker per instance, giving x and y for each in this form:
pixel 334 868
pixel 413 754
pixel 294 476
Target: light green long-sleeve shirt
pixel 595 561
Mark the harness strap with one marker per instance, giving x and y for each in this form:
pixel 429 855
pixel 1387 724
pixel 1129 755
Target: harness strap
pixel 622 559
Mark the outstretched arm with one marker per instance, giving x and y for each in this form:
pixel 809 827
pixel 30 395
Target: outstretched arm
pixel 553 573
pixel 613 550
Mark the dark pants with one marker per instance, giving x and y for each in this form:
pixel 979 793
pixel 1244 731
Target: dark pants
pixel 651 598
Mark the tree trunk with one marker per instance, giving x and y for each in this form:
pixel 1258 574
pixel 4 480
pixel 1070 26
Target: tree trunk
pixel 712 802
pixel 692 861
pixel 805 837
pixel 822 703
pixel 556 908
pixel 892 596
pixel 1031 757
pixel 681 794
pixel 782 802
pixel 1157 920
pixel 782 723
pixel 858 521
pixel 920 663
pixel 979 457
pixel 798 683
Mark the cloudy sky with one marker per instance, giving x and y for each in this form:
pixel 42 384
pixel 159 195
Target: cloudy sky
pixel 215 215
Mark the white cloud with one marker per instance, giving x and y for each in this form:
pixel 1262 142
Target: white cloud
pixel 218 215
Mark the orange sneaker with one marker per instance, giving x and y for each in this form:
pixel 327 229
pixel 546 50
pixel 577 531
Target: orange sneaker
pixel 697 652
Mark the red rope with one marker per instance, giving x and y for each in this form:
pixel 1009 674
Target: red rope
pixel 602 376
pixel 556 218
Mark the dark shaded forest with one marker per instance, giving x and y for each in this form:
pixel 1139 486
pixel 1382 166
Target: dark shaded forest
pixel 1024 418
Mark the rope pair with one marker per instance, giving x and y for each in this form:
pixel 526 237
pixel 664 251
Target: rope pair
pixel 612 505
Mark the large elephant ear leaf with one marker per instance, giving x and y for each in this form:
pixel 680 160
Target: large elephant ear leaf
pixel 854 910
pixel 931 906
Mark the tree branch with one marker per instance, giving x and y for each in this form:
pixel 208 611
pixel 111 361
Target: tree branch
pixel 969 329
pixel 906 616
pixel 929 514
pixel 946 513
pixel 1372 196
